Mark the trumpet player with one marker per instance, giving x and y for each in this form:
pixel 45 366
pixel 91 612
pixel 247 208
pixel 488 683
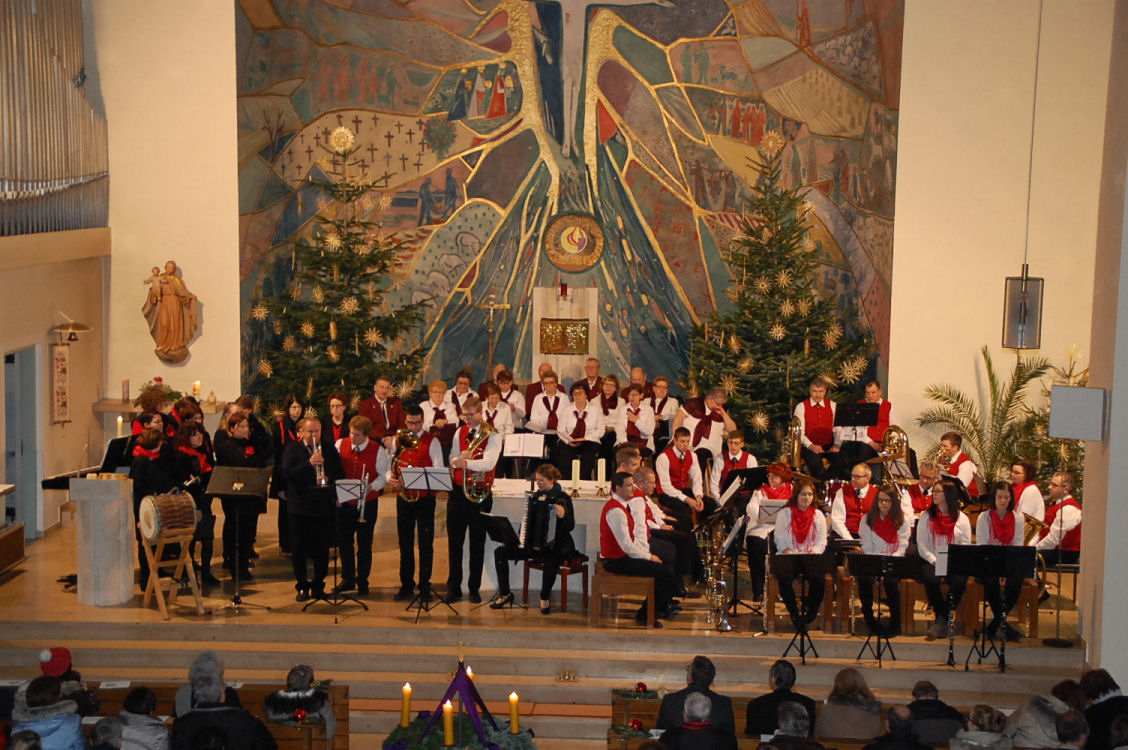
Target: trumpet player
pixel 415 510
pixel 368 461
pixel 478 451
pixel 310 468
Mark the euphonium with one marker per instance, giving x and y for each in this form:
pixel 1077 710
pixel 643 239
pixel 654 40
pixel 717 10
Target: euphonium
pixel 406 440
pixel 476 484
pixel 1031 528
pixel 792 448
pixel 895 444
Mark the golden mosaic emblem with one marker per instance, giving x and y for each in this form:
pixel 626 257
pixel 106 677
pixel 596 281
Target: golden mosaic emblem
pixel 574 242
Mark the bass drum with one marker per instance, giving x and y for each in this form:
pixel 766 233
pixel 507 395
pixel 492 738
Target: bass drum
pixel 165 514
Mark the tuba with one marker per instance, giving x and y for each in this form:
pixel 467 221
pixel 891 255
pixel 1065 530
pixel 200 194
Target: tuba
pixel 1032 527
pixel 791 451
pixel 406 440
pixel 476 484
pixel 895 444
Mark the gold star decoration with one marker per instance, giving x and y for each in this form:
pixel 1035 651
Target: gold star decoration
pixel 350 306
pixel 807 244
pixel 830 378
pixel 735 344
pixel 804 306
pixel 318 294
pixel 762 284
pixel 259 312
pixel 733 292
pixel 332 330
pixel 405 388
pixel 289 344
pixel 784 279
pixel 852 369
pixel 354 402
pixel 805 208
pixel 830 339
pixel 777 332
pixel 296 291
pixel 760 422
pixel 307 329
pixel 341 140
pixel 787 308
pixel 728 382
pixel 385 202
pixel 333 353
pixel 372 337
pixel 332 240
pixel 745 365
pixel 265 368
pixel 772 143
pixel 366 203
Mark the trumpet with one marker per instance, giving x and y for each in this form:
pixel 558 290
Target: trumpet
pixel 319 469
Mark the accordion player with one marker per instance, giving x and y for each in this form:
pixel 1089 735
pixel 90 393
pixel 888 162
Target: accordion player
pixel 546 535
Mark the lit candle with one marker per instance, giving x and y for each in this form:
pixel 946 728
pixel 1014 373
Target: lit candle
pixel 119 423
pixel 469 673
pixel 448 724
pixel 405 705
pixel 196 388
pixel 575 473
pixel 601 471
pixel 514 714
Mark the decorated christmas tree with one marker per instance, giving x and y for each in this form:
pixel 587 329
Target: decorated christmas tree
pixel 331 329
pixel 781 332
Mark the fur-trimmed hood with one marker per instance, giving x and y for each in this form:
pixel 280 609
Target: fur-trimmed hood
pixel 27 713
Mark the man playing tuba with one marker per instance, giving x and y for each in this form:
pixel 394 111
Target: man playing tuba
pixel 415 510
pixel 478 450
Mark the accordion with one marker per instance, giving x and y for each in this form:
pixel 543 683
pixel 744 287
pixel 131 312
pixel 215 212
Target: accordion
pixel 538 525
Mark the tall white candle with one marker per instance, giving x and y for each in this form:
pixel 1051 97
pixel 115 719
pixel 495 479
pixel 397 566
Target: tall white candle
pixel 119 423
pixel 601 471
pixel 575 473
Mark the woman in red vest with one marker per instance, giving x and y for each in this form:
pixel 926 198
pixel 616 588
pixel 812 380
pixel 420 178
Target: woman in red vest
pixel 884 531
pixel 800 528
pixel 1000 526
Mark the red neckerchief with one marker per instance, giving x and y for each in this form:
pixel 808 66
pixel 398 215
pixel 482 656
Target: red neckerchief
pixel 942 524
pixel 287 434
pixel 801 523
pixel 152 455
pixel 580 429
pixel 490 417
pixel 553 420
pixel 205 467
pixel 782 492
pixel 632 427
pixel 705 419
pixel 608 405
pixel 1018 489
pixel 1002 529
pixel 884 528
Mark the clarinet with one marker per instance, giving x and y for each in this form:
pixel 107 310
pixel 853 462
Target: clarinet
pixel 363 495
pixel 951 627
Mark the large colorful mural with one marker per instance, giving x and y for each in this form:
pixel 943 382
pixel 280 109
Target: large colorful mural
pixel 486 120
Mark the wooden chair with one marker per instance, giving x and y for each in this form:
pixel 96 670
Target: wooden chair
pixel 1026 609
pixel 772 595
pixel 610 584
pixel 578 565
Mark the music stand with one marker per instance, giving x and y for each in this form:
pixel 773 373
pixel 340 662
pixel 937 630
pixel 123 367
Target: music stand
pixel 521 446
pixel 879 567
pixel 242 483
pixel 345 490
pixel 804 566
pixel 426 480
pixel 971 560
pixel 862 414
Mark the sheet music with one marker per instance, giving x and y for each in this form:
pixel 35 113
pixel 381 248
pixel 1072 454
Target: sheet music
pixel 526 444
pixel 732 490
pixel 769 509
pixel 428 479
pixel 349 490
pixel 737 532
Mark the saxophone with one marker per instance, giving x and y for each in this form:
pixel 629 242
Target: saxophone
pixel 476 484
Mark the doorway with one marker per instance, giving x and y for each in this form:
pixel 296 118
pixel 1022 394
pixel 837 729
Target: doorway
pixel 21 438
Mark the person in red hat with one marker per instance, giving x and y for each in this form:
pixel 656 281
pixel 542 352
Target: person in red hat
pixel 56 662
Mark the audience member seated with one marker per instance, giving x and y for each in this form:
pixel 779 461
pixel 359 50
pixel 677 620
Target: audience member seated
pixel 25 740
pixel 850 711
pixel 1106 703
pixel 698 677
pixel 1118 732
pixel 207 662
pixel 50 716
pixel 300 694
pixel 697 732
pixel 763 713
pixel 56 662
pixel 899 733
pixel 1072 730
pixel 106 734
pixel 1034 723
pixel 141 730
pixel 794 729
pixel 984 731
pixel 243 729
pixel 934 721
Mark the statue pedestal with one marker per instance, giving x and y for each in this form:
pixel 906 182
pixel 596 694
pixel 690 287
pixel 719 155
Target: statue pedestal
pixel 104 540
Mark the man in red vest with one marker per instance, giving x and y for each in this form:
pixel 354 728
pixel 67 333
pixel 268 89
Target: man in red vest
pixel 852 502
pixel 462 514
pixel 816 414
pixel 366 459
pixel 858 444
pixel 624 551
pixel 680 485
pixel 960 464
pixel 920 494
pixel 1062 535
pixel 415 511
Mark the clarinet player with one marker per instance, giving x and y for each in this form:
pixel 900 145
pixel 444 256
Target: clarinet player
pixel 558 549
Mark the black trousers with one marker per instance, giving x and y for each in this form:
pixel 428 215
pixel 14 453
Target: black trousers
pixel 240 522
pixel 662 573
pixel 356 562
pixel 311 537
pixel 283 524
pixel 464 516
pixel 816 586
pixel 757 549
pixel 814 462
pixel 410 518
pixel 586 451
pixel 851 453
pixel 682 513
pixel 687 560
pixel 932 587
pixel 993 592
pixel 892 588
pixel 551 558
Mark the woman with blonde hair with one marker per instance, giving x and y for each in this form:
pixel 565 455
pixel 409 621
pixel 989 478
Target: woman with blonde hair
pixel 850 711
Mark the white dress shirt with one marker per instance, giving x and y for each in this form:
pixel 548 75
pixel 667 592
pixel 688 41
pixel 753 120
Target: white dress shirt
pixel 645 425
pixel 662 469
